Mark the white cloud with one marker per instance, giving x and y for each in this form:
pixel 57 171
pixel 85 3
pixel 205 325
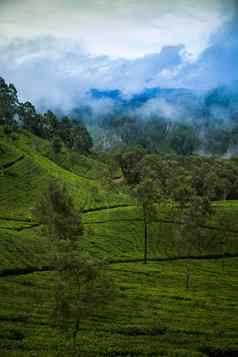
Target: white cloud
pixel 64 51
pixel 123 28
pixel 54 70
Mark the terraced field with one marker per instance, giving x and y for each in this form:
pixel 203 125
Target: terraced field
pixel 152 312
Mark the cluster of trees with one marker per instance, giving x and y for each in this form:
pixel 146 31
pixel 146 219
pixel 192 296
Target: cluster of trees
pixel 216 178
pixel 64 131
pixel 190 208
pixel 189 185
pixel 182 193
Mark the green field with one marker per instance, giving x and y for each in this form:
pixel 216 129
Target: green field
pixel 152 312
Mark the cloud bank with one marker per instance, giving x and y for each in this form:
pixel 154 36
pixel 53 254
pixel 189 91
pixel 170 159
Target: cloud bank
pixel 56 52
pixel 120 29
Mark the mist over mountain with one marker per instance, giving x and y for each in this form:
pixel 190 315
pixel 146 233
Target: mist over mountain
pixel 86 68
pixel 158 118
pixel 174 104
pixel 129 69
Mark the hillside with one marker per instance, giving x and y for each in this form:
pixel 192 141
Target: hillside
pixel 153 313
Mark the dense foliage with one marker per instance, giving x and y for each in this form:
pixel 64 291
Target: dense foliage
pixel 158 134
pixel 13 113
pixel 215 178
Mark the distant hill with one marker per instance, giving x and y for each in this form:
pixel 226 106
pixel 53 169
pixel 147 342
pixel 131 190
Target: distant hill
pixel 170 103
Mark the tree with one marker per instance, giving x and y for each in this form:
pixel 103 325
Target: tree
pixel 160 169
pixel 80 290
pixel 29 116
pixel 80 286
pixel 63 221
pixel 193 212
pixel 128 161
pixel 146 194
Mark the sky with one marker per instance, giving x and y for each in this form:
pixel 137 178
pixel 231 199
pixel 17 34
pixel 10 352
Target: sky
pixel 56 51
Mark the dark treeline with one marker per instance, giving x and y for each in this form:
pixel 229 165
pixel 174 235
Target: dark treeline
pixel 206 136
pixel 14 114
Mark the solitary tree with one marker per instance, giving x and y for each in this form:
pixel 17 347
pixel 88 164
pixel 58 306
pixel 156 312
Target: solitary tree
pixel 80 290
pixel 57 212
pixel 146 194
pixel 80 286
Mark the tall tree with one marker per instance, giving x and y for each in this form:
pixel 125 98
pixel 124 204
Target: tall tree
pixel 193 212
pixel 146 194
pixel 63 221
pixel 80 287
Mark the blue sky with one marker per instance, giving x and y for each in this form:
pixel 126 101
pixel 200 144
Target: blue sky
pixel 56 51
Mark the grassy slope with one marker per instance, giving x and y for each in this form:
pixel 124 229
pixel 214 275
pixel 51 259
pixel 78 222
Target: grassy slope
pixel 23 183
pixel 20 188
pixel 153 313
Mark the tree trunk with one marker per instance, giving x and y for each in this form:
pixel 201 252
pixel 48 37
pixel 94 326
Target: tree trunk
pixel 188 278
pixel 145 241
pixel 75 333
pixel 224 195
